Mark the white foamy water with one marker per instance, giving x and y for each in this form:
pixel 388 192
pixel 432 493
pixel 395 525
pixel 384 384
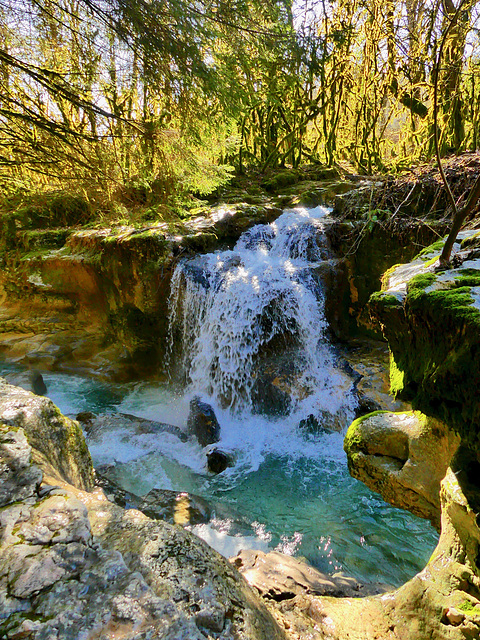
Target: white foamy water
pixel 230 307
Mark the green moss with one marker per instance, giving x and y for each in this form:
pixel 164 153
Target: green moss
pixel 386 299
pixel 435 342
pixel 421 282
pixel 352 438
pixel 468 278
pixel 436 247
pixel 446 304
pixel 397 377
pixel 471 242
pixel 467 607
pixel 281 179
pixel 429 263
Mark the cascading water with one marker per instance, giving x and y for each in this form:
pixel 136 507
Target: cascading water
pixel 233 309
pixel 253 341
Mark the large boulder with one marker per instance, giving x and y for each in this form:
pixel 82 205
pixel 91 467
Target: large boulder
pixel 75 565
pixel 404 457
pixel 57 441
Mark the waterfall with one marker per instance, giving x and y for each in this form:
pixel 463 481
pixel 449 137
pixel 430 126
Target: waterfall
pixel 235 311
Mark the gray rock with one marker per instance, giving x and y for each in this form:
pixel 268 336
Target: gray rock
pixel 57 519
pixel 19 478
pixel 58 443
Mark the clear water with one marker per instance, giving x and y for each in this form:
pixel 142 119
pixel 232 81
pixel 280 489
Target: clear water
pixel 288 490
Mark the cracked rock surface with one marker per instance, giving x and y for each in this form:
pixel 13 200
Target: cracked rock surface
pixel 74 566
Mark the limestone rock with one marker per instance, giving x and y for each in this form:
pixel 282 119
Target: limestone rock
pixel 404 457
pixel 19 478
pixel 58 443
pixel 281 577
pixel 182 568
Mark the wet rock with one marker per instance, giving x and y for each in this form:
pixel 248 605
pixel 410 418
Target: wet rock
pixel 218 461
pixel 281 577
pixel 313 425
pixel 86 418
pixel 175 507
pixel 276 380
pixel 98 424
pixel 38 385
pixel 368 364
pixel 202 422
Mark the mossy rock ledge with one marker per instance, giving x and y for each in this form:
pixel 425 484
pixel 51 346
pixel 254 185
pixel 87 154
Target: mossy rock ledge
pixel 431 319
pixel 96 300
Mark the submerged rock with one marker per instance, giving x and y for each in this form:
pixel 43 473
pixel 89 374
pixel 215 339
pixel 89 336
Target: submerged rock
pixel 202 422
pixel 175 507
pixel 95 425
pixel 218 461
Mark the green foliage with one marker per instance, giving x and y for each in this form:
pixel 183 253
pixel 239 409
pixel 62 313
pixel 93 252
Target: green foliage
pixel 420 282
pixel 158 101
pixel 385 299
pixel 50 209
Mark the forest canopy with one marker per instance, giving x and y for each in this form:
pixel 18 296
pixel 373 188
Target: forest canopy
pixel 174 96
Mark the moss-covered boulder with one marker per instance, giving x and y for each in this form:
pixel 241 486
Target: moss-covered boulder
pixel 431 319
pixel 58 444
pixel 404 457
